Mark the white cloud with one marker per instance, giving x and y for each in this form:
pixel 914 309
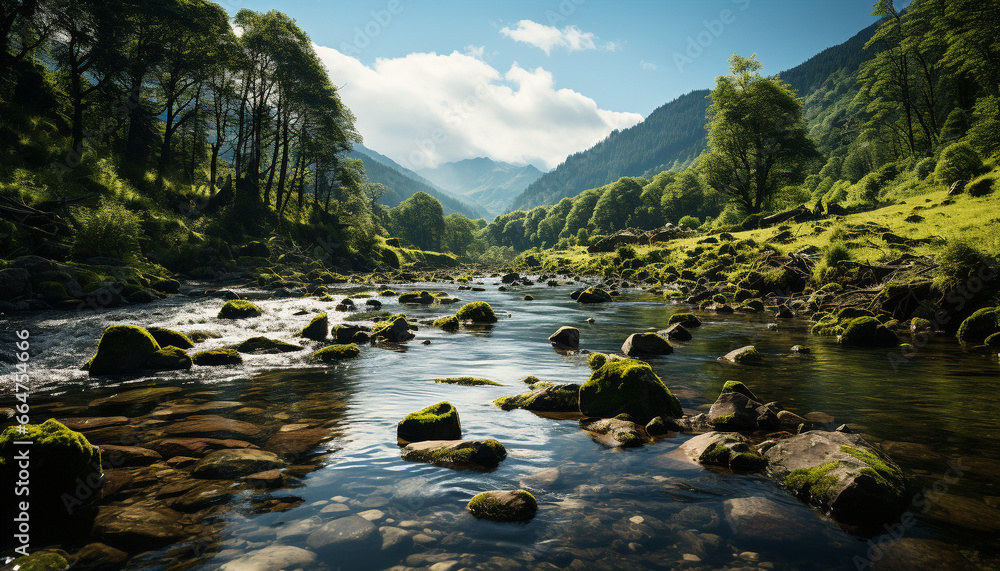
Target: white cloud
pixel 475 51
pixel 647 65
pixel 546 38
pixel 424 109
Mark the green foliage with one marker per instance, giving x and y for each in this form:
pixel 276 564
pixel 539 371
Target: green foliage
pixel 689 222
pixel 981 186
pixel 109 230
pixel 420 221
pixel 925 167
pixel 958 162
pixel 957 261
pixel 459 233
pixel 616 208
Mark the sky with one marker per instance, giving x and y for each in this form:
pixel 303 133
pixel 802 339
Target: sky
pixel 534 81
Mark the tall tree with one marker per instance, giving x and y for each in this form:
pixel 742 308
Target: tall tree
pixel 757 136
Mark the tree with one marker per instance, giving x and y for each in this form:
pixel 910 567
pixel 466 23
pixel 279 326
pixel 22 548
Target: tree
pixel 618 205
pixel 420 221
pixel 459 233
pixel 757 136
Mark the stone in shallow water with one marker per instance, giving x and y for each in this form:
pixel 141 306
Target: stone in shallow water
pixel 127 456
pixel 761 519
pixel 566 337
pixel 213 426
pixel 484 454
pixel 728 449
pixel 503 505
pixel 296 443
pixel 231 464
pixel 196 447
pixel 132 403
pixel 646 344
pixel 100 556
pixel 555 397
pixel 617 431
pixel 908 554
pixel 346 535
pixel 272 558
pixel 94 422
pixel 137 527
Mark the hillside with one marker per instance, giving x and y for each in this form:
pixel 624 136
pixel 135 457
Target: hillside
pixel 674 134
pixel 491 184
pixel 403 183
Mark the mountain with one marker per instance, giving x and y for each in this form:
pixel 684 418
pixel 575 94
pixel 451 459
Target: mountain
pixel 673 135
pixel 490 184
pixel 403 183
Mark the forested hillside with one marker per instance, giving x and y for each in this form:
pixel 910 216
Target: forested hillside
pixel 491 184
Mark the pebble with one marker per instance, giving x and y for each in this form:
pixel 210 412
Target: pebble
pixel 637 519
pixel 423 538
pixel 335 508
pixel 691 558
pixel 340 499
pixel 372 515
pixel 750 556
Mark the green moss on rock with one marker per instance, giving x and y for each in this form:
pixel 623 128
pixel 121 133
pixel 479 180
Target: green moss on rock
pixel 518 505
pixel 816 482
pixel 477 312
pixel 239 309
pixel 738 387
pixel 449 323
pixel 217 357
pixel 436 422
pixel 169 359
pixel 422 297
pixel 867 332
pixel 888 476
pixel 122 348
pixel 627 386
pixel 317 329
pixel 467 381
pixel 978 326
pixel 596 360
pixel 43 561
pixel 166 337
pixel 335 353
pixel 686 319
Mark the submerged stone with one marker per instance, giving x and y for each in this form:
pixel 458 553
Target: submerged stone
pixel 503 505
pixel 233 464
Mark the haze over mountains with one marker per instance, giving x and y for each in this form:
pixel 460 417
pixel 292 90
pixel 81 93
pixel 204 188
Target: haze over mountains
pixel 488 183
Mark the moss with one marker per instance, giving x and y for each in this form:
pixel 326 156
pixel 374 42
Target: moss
pixel 486 506
pixel 239 309
pixel 377 315
pixel 327 298
pixel 816 482
pixel 467 381
pixel 52 291
pixel 593 295
pixel 387 323
pixel 477 312
pixel 715 454
pixel 266 346
pixel 596 360
pixel 166 337
pixel 867 332
pixel 387 293
pixel 216 357
pixel 738 387
pixel 751 306
pixel 748 461
pixel 45 561
pixel 530 380
pixel 979 325
pixel 422 297
pixel 122 348
pixel 888 476
pixel 685 319
pixel 317 329
pixel 721 421
pixel 749 357
pixel 436 422
pixel 169 359
pixel 627 386
pixel 336 353
pixel 449 323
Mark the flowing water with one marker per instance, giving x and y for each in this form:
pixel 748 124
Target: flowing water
pixel 644 508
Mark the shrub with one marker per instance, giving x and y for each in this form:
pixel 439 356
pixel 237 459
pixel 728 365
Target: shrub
pixel 958 260
pixel 981 186
pixel 925 167
pixel 689 222
pixel 109 230
pixel 958 162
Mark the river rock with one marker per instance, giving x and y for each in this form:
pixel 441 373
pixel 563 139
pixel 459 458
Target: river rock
pixel 503 505
pixel 594 295
pixel 617 431
pixel 743 356
pixel 235 463
pixel 436 422
pixel 133 402
pixel 553 397
pixel 127 456
pixel 138 527
pixel 909 554
pixel 167 337
pixel 841 474
pixel 867 331
pixel 953 511
pixel 100 556
pixel 345 536
pixel 169 359
pixel 736 411
pixel 643 344
pixel 195 447
pixel 202 496
pixel 394 330
pixel 172 411
pixel 292 445
pixel 317 328
pixel 677 332
pixel 14 283
pixel 213 426
pixel 350 333
pixel 728 449
pixel 566 337
pixel 122 348
pixel 272 558
pixel 266 346
pixel 789 419
pixel 93 422
pixel 486 454
pixel 627 386
pixel 761 519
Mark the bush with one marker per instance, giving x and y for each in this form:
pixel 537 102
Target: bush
pixel 109 230
pixel 958 162
pixel 925 167
pixel 689 222
pixel 958 260
pixel 981 186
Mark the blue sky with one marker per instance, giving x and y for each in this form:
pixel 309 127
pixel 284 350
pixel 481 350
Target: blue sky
pixel 561 73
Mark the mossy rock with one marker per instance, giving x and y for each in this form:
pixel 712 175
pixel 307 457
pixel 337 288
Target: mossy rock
pixel 544 397
pixel 467 382
pixel 594 295
pixel 751 306
pixel 449 323
pixel 345 334
pixel 169 359
pixel 317 329
pixel 738 387
pixel 980 325
pixel 239 309
pixel 52 291
pixel 477 312
pixel 867 332
pixel 387 293
pixel 596 360
pixel 335 353
pixel 217 357
pixel 436 422
pixel 122 348
pixel 688 320
pixel 627 386
pixel 41 561
pixel 167 337
pixel 504 506
pixel 266 346
pixel 482 454
pixel 748 355
pixel 394 329
pixel 421 297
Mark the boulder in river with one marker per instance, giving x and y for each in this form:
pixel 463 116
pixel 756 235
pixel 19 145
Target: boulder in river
pixel 980 325
pixel 477 312
pixel 138 527
pixel 217 357
pixel 727 449
pixel 677 332
pixel 448 323
pixel 867 332
pixel 504 505
pixel 122 348
pixel 686 319
pixel 748 355
pixel 235 463
pixel 436 422
pixel 734 411
pixel 169 359
pixel 618 431
pixel 317 329
pixel 841 474
pixel 346 536
pixel 566 337
pixel 351 333
pixel 266 346
pixel 393 329
pixel 421 297
pixel 552 397
pixel 335 353
pixel 593 295
pixel 166 337
pixel 133 402
pixel 485 454
pixel 627 386
pixel 239 309
pixel 646 344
